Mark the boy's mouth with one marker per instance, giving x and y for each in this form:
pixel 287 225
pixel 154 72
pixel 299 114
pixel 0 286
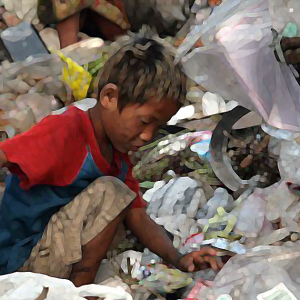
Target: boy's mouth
pixel 134 148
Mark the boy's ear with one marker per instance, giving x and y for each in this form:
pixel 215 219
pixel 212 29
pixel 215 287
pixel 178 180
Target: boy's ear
pixel 109 96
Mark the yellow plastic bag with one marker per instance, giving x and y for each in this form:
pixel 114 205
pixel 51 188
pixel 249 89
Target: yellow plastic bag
pixel 75 77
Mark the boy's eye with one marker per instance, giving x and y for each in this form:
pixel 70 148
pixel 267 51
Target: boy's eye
pixel 144 121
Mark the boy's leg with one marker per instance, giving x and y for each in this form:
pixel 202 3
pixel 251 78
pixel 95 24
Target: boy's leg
pixel 94 252
pixel 80 233
pixel 68 30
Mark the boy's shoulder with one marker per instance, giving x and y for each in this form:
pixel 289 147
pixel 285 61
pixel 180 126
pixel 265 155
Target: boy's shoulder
pixel 55 147
pixel 70 126
pixel 72 117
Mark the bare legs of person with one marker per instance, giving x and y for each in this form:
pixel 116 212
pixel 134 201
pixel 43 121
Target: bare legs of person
pixel 84 272
pixel 68 30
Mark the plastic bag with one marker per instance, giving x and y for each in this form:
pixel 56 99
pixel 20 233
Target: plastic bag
pixel 238 59
pixel 165 280
pixel 283 12
pixel 208 67
pixel 29 286
pixel 250 275
pixel 75 77
pixel 26 10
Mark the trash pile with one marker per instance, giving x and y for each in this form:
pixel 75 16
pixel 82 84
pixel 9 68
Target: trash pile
pixel 251 208
pixel 32 89
pixel 218 174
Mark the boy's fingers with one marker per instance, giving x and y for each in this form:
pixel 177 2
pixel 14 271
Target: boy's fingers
pixel 219 262
pixel 208 251
pixel 190 264
pixel 191 268
pixel 212 261
pixel 290 43
pixel 204 262
pixel 292 56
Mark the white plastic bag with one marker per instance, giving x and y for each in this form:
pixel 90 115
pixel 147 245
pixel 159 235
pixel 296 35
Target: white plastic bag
pixel 249 276
pixel 209 68
pixel 26 10
pixel 238 62
pixel 29 286
pixel 283 12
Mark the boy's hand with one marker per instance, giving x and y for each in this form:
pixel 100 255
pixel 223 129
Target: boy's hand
pixel 291 50
pixel 199 260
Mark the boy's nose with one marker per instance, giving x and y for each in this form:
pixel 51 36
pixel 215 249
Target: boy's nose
pixel 147 134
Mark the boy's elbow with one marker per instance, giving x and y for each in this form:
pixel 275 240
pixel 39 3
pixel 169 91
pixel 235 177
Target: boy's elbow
pixel 3 160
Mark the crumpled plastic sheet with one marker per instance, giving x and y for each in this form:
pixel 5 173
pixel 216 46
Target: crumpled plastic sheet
pixel 175 152
pixel 265 207
pixel 166 280
pixel 241 54
pixel 182 207
pixel 283 12
pixel 29 286
pixel 20 113
pixel 174 206
pixel 51 65
pixel 289 160
pixel 26 10
pixel 285 145
pixel 252 215
pixel 257 271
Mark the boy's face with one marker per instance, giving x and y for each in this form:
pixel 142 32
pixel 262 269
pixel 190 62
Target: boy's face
pixel 136 125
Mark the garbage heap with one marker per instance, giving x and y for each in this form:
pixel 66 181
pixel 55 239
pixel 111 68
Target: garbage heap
pixel 255 225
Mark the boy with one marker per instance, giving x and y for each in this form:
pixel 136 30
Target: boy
pixel 65 197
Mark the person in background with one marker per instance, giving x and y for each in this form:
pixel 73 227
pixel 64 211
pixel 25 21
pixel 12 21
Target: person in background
pixel 109 19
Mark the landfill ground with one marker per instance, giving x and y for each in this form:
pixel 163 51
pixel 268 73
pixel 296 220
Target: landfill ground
pixel 218 174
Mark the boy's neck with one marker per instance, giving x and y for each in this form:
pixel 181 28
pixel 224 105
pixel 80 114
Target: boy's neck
pixel 100 134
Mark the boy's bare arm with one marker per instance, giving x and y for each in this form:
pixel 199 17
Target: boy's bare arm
pixel 151 235
pixel 156 240
pixel 4 163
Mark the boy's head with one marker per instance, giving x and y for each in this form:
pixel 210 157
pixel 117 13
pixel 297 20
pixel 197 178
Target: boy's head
pixel 140 89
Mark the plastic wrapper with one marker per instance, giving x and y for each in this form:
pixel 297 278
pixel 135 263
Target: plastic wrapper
pixel 165 280
pixel 283 12
pixel 265 219
pixel 181 206
pixel 258 271
pixel 285 144
pixel 289 161
pixel 26 10
pixel 48 66
pixel 75 77
pixel 125 266
pixel 252 215
pixel 22 41
pixel 30 286
pixel 237 38
pixel 220 199
pixel 173 152
pixel 174 205
pixel 276 207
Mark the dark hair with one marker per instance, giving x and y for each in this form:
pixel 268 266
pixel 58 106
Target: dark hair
pixel 143 67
